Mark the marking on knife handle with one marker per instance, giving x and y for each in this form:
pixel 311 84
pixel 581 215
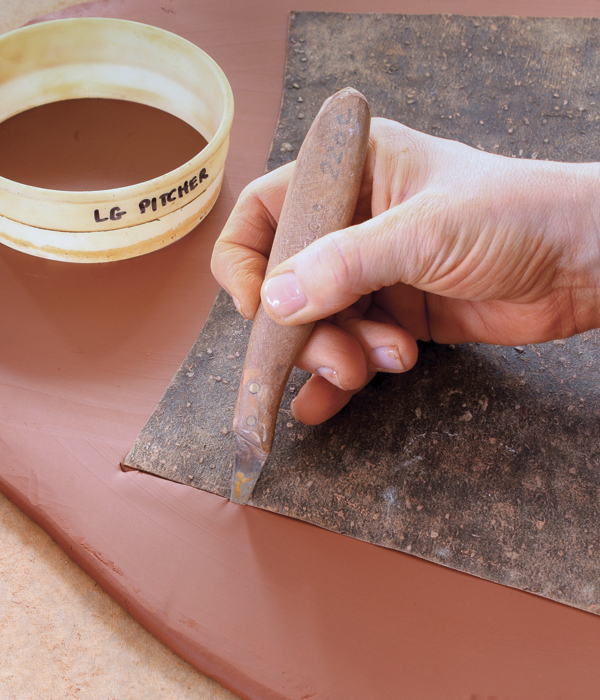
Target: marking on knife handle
pixel 333 162
pixel 343 120
pixel 314 224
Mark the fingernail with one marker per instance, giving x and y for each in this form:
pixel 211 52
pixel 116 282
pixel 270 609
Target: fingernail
pixel 238 306
pixel 386 359
pixel 329 374
pixel 284 295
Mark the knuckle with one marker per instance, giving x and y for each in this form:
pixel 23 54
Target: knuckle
pixel 340 259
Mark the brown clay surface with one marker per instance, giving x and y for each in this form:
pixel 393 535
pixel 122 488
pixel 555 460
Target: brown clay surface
pixel 64 637
pixel 272 607
pixel 94 144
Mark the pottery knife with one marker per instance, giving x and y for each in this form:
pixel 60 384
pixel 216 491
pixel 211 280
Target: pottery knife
pixel 321 198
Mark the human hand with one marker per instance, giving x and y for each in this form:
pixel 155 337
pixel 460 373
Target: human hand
pixel 448 244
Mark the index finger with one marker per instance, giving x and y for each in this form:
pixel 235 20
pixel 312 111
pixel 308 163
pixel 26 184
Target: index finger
pixel 240 255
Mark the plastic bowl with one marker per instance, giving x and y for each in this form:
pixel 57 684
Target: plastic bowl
pixel 116 59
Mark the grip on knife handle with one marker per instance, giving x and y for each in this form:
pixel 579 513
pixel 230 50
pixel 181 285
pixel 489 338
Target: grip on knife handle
pixel 321 198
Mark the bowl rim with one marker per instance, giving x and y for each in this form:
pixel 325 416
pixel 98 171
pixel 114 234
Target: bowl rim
pixel 68 199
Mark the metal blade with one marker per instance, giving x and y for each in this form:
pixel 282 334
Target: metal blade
pixel 248 464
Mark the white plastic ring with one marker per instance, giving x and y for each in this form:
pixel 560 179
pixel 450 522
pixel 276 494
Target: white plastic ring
pixel 116 59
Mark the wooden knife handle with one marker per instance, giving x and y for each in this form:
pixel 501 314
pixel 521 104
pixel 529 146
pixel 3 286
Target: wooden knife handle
pixel 321 198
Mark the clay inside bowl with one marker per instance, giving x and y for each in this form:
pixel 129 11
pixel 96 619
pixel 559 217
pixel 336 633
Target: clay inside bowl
pixel 94 144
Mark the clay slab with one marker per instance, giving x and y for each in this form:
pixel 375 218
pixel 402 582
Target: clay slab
pixel 272 607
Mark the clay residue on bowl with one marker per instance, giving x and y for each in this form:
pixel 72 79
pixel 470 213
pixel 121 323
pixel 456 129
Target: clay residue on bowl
pixel 94 144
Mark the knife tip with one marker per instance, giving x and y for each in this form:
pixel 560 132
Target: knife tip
pixel 248 464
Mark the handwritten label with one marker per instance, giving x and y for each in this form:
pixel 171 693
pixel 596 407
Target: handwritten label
pixel 115 214
pixel 152 204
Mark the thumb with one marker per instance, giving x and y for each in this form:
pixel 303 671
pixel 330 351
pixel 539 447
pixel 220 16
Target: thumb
pixel 333 272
